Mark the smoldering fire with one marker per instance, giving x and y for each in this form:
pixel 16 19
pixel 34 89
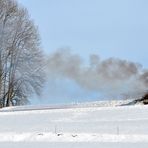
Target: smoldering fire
pixel 110 76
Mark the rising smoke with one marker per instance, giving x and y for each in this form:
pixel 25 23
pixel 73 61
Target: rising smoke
pixel 110 76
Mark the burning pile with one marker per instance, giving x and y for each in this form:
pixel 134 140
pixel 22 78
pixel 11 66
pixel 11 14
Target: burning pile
pixel 143 100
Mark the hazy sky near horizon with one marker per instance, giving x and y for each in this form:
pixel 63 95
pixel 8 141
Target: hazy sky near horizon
pixel 110 28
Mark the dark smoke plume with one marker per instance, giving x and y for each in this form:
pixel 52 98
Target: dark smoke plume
pixel 110 76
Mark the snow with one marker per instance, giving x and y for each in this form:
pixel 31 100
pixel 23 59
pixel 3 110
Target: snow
pixel 107 103
pixel 87 126
pixel 70 137
pixel 72 145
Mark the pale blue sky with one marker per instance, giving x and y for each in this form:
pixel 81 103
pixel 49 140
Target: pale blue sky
pixel 110 28
pixel 107 27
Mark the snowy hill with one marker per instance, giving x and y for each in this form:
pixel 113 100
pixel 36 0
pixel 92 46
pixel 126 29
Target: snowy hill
pixel 89 126
pixel 107 103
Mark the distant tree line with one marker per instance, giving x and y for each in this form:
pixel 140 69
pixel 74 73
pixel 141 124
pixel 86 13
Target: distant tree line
pixel 21 58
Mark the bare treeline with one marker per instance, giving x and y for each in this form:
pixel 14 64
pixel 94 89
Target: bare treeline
pixel 20 56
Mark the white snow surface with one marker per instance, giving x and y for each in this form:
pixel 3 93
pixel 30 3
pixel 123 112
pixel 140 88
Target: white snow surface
pixel 89 126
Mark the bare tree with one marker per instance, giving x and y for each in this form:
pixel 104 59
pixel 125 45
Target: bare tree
pixel 21 58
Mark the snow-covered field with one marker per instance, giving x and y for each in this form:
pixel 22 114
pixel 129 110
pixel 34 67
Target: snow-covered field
pixel 79 127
